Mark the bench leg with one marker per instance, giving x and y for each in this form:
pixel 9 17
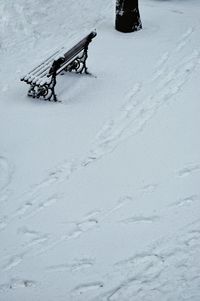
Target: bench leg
pixel 52 88
pixel 47 91
pixel 32 91
pixel 83 61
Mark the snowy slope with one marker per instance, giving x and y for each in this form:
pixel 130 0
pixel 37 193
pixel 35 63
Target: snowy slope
pixel 99 193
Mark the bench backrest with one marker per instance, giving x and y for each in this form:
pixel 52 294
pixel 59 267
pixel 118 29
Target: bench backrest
pixel 45 70
pixel 61 63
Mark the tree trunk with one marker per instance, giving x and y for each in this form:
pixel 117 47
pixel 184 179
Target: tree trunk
pixel 127 16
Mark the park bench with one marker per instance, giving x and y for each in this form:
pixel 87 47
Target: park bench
pixel 42 79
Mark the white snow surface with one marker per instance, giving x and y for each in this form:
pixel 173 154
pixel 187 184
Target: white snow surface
pixel 99 193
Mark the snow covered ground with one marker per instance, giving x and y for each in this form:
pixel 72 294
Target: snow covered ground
pixel 99 193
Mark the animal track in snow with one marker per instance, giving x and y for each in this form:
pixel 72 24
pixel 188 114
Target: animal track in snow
pixel 141 261
pixel 123 201
pixel 159 70
pixel 161 67
pixel 140 219
pixel 89 222
pixel 176 11
pixel 149 188
pixel 33 238
pixel 84 288
pixel 72 267
pixel 58 175
pixel 3 223
pixel 5 175
pixel 13 262
pixel 188 170
pixel 157 273
pixel 81 227
pixel 184 39
pixel 140 108
pixel 187 200
pixel 42 205
pixel 28 209
pixel 16 284
pixel 32 203
pixel 113 129
pixel 92 214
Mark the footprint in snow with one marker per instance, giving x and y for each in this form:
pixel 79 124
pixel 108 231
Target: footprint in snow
pixel 188 170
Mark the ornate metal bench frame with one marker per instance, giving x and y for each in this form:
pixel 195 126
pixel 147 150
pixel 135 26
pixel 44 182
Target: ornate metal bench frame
pixel 42 79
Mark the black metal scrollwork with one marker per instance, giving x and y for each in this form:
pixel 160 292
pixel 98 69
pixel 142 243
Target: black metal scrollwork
pixel 79 63
pixel 45 91
pixel 73 61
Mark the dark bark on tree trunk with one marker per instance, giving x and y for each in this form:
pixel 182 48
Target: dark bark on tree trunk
pixel 127 16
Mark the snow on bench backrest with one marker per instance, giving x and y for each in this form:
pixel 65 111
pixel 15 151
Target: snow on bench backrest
pixel 39 74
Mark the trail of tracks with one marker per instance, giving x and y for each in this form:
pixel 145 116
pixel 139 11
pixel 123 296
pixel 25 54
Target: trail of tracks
pixel 137 110
pixel 167 271
pixel 39 243
pixel 145 275
pixel 144 100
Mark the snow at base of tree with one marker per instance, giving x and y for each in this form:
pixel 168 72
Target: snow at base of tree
pixel 99 193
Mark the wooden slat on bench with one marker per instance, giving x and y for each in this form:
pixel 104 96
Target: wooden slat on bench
pixel 43 69
pixel 70 54
pixel 43 66
pixel 40 76
pixel 75 49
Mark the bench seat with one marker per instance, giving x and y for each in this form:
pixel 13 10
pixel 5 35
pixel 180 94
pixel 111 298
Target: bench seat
pixel 42 79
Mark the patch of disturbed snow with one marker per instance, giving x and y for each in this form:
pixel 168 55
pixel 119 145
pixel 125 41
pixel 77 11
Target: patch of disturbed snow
pixel 99 194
